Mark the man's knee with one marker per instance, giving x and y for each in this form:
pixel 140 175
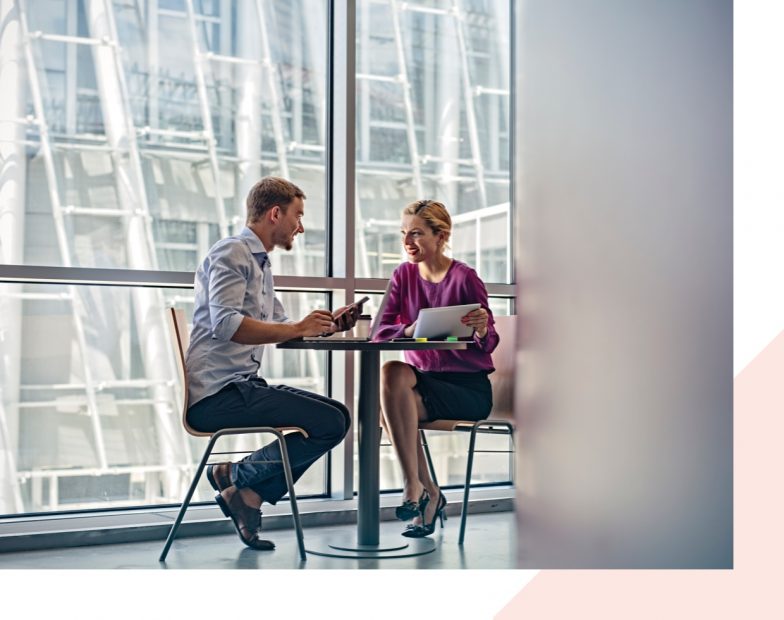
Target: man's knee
pixel 397 375
pixel 332 423
pixel 345 416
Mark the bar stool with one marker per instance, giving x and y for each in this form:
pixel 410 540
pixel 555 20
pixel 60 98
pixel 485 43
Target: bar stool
pixel 501 420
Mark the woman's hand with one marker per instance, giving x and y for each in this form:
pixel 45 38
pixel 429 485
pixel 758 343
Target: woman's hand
pixel 478 320
pixel 408 332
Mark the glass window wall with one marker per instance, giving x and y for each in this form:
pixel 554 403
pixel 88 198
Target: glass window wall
pixel 151 115
pixel 433 122
pixel 92 402
pixel 130 133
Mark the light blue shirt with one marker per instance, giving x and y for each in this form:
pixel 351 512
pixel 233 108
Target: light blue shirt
pixel 233 281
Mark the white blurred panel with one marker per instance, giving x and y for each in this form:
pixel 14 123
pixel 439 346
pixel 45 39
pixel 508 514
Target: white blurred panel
pixel 624 177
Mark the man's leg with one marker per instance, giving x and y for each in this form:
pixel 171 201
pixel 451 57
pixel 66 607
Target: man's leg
pixel 250 403
pixel 254 403
pixel 316 415
pixel 325 421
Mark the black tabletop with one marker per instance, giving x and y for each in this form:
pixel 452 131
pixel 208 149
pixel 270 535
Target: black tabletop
pixel 329 344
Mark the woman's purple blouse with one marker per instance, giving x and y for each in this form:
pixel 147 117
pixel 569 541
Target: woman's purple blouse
pixel 409 293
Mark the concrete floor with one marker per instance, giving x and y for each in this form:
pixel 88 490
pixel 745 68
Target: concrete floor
pixel 489 543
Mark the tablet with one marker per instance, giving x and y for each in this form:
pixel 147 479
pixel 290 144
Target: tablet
pixel 444 322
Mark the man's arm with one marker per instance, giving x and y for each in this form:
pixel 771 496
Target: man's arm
pixel 253 331
pixel 228 275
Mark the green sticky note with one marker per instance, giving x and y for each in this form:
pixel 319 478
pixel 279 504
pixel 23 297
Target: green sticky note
pixel 451 338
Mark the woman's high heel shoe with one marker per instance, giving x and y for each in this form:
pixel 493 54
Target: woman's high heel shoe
pixel 425 529
pixel 410 509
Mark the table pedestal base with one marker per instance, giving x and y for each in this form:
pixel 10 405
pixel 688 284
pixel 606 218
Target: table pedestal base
pixel 392 546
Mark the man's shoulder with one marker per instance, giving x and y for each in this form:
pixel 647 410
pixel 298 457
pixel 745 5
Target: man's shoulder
pixel 233 247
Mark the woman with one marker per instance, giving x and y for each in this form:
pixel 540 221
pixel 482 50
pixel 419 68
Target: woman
pixel 431 385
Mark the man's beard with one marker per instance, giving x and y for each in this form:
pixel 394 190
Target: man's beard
pixel 287 242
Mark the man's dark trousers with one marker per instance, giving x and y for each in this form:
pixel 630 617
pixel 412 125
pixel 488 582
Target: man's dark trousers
pixel 255 403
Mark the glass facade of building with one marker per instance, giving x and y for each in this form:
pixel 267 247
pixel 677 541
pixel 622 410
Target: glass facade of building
pixel 130 134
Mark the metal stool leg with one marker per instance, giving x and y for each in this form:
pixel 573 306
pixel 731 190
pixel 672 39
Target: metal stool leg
pixel 286 469
pixel 513 452
pixel 284 455
pixel 469 467
pixel 186 502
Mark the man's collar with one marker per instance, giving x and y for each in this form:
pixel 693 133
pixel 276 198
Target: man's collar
pixel 254 243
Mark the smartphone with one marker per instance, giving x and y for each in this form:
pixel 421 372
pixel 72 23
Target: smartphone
pixel 342 320
pixel 360 302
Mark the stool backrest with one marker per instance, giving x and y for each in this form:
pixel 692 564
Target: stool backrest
pixel 181 337
pixel 503 378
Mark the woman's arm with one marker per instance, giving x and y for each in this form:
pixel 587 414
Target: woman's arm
pixel 389 325
pixel 482 320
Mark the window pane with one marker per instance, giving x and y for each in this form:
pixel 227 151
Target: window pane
pixel 433 122
pixel 155 142
pixel 91 403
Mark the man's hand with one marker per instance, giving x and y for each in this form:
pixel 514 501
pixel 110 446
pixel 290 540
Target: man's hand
pixel 345 317
pixel 478 320
pixel 316 323
pixel 408 332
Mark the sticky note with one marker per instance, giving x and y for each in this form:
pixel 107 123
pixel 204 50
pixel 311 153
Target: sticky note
pixel 451 338
pixel 421 339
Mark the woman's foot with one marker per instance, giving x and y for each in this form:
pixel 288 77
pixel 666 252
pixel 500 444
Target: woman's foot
pixel 411 508
pixel 433 509
pixel 429 506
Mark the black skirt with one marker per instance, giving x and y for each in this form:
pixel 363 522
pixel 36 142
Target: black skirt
pixel 455 395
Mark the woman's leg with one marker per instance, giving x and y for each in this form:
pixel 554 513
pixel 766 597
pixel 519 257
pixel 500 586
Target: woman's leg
pixel 402 408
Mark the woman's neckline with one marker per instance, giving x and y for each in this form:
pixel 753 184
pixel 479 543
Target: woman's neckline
pixel 446 273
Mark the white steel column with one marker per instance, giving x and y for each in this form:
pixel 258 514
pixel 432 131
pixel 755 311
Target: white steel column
pixel 273 91
pixel 405 84
pixel 13 161
pixel 45 150
pixel 469 94
pixel 148 303
pixel 209 134
pixel 448 123
pixel 314 16
pixel 248 120
pixel 343 197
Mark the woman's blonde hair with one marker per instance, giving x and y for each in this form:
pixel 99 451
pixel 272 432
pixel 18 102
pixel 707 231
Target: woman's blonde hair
pixel 435 215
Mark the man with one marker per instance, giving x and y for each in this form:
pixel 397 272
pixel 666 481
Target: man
pixel 236 313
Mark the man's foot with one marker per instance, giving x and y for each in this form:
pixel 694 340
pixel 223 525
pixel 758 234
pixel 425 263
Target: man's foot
pixel 246 519
pixel 219 476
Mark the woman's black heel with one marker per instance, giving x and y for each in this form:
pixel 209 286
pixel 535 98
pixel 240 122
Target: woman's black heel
pixel 425 529
pixel 410 509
